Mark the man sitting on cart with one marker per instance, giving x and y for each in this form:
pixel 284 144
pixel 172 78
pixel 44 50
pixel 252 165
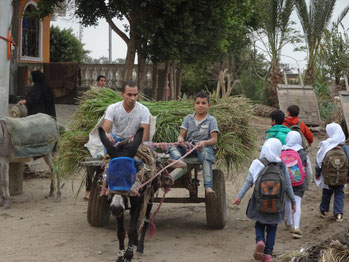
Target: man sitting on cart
pixel 201 129
pixel 123 118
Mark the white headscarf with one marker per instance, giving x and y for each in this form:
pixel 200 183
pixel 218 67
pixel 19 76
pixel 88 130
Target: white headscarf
pixel 293 141
pixel 271 150
pixel 335 138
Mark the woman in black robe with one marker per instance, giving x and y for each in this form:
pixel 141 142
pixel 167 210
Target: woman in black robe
pixel 40 97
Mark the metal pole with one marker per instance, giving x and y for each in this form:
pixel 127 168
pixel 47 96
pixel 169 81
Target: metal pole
pixel 5 25
pixel 110 45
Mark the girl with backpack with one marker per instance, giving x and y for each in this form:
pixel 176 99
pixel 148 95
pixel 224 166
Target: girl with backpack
pixel 266 206
pixel 295 159
pixel 332 170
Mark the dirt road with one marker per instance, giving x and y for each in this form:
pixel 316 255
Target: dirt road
pixel 38 229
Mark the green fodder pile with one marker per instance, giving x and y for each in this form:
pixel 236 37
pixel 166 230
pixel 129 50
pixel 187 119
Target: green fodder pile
pixel 233 114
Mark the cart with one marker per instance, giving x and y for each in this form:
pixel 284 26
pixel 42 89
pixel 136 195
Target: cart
pixel 98 212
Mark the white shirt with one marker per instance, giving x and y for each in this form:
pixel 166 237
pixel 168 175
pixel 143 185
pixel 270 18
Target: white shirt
pixel 126 124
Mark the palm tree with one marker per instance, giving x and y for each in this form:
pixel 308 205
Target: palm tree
pixel 315 20
pixel 276 27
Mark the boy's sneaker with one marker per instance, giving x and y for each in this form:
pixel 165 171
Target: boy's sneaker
pixel 339 217
pixel 209 191
pixel 297 233
pixel 178 164
pixel 290 228
pixel 259 252
pixel 267 258
pixel 323 213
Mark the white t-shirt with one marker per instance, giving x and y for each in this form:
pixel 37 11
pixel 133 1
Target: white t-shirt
pixel 126 124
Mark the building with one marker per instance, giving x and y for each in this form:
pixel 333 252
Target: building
pixel 32 38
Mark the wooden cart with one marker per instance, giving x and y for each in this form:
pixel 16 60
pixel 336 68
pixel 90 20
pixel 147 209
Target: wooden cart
pixel 98 212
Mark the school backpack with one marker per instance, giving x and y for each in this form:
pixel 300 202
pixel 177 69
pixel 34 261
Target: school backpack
pixel 335 167
pixel 269 190
pixel 294 166
pixel 297 127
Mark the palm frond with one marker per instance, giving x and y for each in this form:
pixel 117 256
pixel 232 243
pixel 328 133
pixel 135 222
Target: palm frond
pixel 286 13
pixel 341 16
pixel 304 17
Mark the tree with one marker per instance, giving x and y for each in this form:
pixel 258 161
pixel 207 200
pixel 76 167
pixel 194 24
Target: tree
pixel 276 27
pixel 314 20
pixel 65 47
pixel 334 54
pixel 164 30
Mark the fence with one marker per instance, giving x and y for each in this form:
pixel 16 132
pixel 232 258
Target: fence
pixel 113 73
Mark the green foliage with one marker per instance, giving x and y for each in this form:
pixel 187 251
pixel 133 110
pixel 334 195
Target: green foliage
pixel 323 94
pixel 65 47
pixel 189 31
pixel 253 88
pixel 276 26
pixel 196 77
pixel 315 19
pixel 334 54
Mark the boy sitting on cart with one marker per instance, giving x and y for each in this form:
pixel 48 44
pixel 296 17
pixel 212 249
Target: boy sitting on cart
pixel 200 129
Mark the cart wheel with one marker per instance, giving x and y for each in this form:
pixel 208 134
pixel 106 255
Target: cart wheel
pixel 216 209
pixel 98 212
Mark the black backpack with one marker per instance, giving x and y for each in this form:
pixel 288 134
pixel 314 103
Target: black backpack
pixel 269 189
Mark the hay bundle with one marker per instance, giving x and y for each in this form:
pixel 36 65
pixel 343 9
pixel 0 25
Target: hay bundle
pixel 292 256
pixel 335 252
pixel 262 110
pixel 233 114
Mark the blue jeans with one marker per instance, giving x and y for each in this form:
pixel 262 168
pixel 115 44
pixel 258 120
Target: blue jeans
pixel 206 157
pixel 269 241
pixel 338 199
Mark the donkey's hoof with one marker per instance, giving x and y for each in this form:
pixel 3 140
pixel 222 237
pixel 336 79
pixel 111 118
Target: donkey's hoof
pixel 6 204
pixel 58 199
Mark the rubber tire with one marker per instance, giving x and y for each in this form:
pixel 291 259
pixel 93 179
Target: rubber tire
pixel 216 206
pixel 98 212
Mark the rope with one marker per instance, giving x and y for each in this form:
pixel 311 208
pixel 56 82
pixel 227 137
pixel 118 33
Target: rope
pixel 152 227
pixel 158 173
pixel 164 145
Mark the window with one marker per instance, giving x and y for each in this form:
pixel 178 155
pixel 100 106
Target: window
pixel 31 33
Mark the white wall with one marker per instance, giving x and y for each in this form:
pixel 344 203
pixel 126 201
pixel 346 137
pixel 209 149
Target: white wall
pixel 5 21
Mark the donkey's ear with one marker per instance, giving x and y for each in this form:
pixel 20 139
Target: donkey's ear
pixel 105 141
pixel 137 141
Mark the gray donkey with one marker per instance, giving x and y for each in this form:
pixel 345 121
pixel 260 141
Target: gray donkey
pixel 30 130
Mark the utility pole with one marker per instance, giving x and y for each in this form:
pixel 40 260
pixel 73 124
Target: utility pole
pixel 5 25
pixel 110 46
pixel 80 31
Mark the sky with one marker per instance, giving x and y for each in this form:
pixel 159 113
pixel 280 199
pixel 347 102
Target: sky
pixel 96 38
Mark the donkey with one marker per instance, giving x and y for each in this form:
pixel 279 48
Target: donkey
pixel 119 202
pixel 7 152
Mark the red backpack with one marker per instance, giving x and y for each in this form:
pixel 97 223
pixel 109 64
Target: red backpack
pixel 294 166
